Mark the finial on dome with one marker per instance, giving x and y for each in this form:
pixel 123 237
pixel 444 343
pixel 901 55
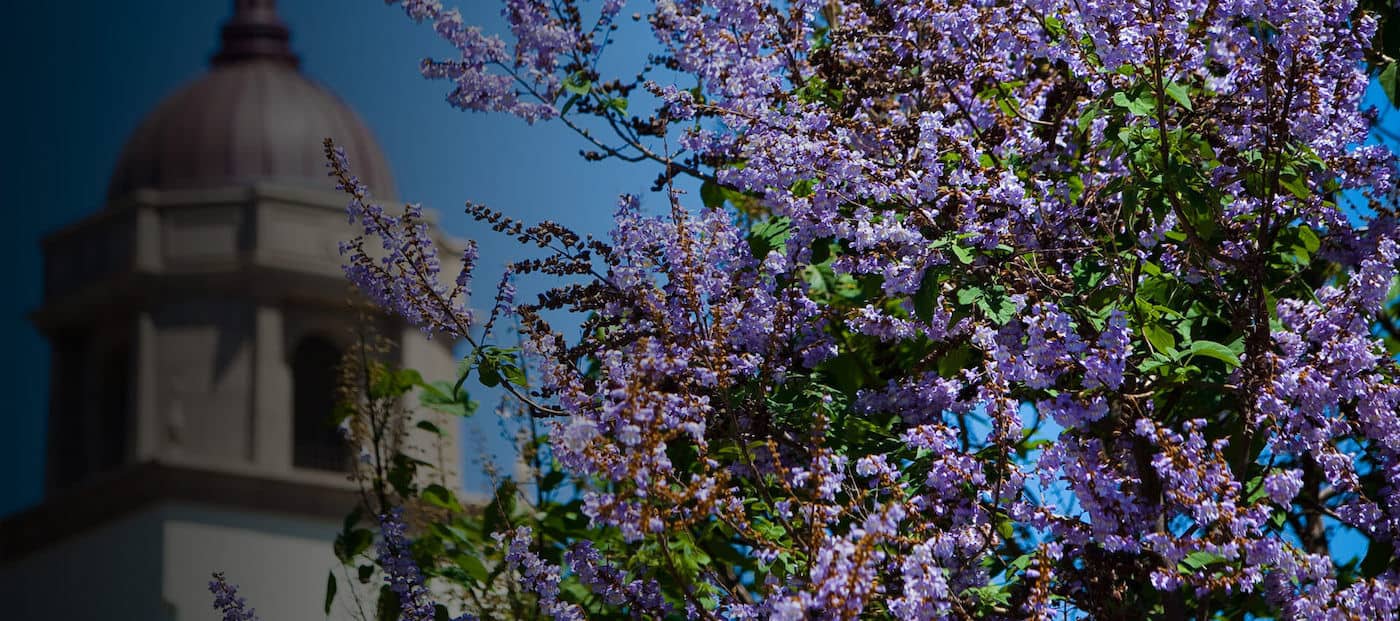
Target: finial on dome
pixel 255 32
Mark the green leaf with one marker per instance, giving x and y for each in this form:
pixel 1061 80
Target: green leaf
pixel 351 544
pixel 330 591
pixel 487 373
pixel 847 371
pixel 1201 559
pixel 1086 118
pixel 438 396
pixel 991 595
pixel 341 412
pixel 408 378
pixel 1006 528
pixel 428 427
pixel 1377 559
pixel 473 566
pixel 1212 349
pixel 619 104
pixel 1309 238
pixel 998 306
pixel 952 364
pixel 1200 211
pixel 1140 106
pixel 1297 186
pixel 577 84
pixel 1177 91
pixel 712 195
pixel 514 375
pixel 568 105
pixel 402 470
pixel 969 295
pixel 1008 106
pixel 1160 338
pixel 389 383
pixel 500 510
pixel 1021 562
pixel 964 254
pixel 1390 81
pixel 352 520
pixel 821 250
pixel 927 294
pixel 439 496
pixel 551 480
pixel 769 235
pixel 388 608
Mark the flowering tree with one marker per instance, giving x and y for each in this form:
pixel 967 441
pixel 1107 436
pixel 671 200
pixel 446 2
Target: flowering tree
pixel 1044 309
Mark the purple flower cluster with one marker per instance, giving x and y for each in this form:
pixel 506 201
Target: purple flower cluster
pixel 1039 273
pixel 489 76
pixel 401 573
pixel 538 576
pixel 611 585
pixel 228 601
pixel 403 274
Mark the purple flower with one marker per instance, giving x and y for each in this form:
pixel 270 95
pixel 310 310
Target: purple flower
pixel 955 227
pixel 401 573
pixel 228 601
pixel 538 576
pixel 1283 486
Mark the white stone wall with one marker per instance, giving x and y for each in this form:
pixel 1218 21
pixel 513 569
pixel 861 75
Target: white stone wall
pixel 204 380
pixel 111 573
pixel 279 563
pixel 229 281
pixel 155 565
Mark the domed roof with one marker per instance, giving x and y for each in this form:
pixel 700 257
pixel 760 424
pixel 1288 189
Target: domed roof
pixel 252 118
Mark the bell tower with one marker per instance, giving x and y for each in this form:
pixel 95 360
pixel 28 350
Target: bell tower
pixel 195 322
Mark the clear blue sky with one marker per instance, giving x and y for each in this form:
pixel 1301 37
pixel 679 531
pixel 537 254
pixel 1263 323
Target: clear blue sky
pixel 80 76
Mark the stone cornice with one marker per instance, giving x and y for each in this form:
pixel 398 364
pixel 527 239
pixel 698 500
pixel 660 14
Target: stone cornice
pixel 135 292
pixel 106 499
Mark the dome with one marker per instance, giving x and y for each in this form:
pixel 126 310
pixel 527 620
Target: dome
pixel 252 118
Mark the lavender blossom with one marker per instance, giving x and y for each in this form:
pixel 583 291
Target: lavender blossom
pixel 952 221
pixel 228 601
pixel 401 573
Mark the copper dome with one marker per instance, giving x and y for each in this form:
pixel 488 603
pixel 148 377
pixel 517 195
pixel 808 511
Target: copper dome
pixel 252 118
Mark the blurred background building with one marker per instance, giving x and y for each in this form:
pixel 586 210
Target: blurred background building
pixel 152 283
pixel 195 322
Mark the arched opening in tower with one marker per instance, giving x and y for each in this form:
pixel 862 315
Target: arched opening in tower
pixel 316 442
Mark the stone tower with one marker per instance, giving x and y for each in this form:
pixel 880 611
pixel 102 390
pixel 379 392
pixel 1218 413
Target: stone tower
pixel 195 322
